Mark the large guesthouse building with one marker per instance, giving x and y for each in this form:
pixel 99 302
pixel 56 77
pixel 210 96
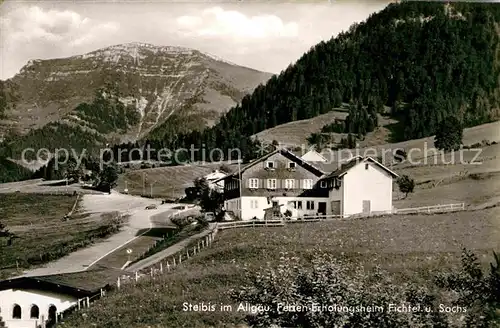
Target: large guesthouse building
pixel 308 185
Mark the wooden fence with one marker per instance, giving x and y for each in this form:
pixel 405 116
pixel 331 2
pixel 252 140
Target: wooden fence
pixel 431 209
pixel 170 262
pixel 164 266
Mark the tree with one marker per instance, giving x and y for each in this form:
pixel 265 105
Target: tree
pixel 449 134
pixel 107 178
pixel 225 168
pixel 406 184
pixel 72 170
pixel 210 200
pixel 4 232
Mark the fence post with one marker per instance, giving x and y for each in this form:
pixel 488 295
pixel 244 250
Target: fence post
pixel 88 302
pixel 136 276
pixel 102 293
pixel 117 285
pixel 428 209
pixel 161 267
pixel 194 250
pixel 198 246
pixel 168 267
pixel 180 258
pixel 174 262
pixel 187 253
pixel 79 300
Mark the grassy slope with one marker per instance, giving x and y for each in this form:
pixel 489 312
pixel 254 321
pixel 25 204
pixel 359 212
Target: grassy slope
pixel 296 133
pixel 36 220
pixel 167 181
pixel 408 247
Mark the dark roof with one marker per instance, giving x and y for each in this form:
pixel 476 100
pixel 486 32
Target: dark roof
pixel 353 162
pixel 285 152
pixel 79 284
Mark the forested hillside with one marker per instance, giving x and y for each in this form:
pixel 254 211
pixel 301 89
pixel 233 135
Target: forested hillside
pixel 425 60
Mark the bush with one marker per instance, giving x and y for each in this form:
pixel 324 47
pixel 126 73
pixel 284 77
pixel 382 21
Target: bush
pixel 475 290
pixel 182 221
pixel 327 281
pixel 406 184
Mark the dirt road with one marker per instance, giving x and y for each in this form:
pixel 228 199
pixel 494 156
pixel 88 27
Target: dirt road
pixel 139 222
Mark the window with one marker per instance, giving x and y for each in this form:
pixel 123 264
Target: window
pixel 270 165
pixel 271 183
pixel 291 165
pixel 307 184
pixel 254 203
pixel 16 312
pixel 323 184
pixel 299 205
pixel 366 166
pixel 289 184
pixel 253 183
pixel 310 205
pixel 35 312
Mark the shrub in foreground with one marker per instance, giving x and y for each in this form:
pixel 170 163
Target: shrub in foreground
pixel 333 295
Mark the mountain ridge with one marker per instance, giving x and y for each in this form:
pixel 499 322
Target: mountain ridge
pixel 157 81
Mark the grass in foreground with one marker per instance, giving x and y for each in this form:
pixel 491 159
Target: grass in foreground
pixel 42 235
pixel 410 248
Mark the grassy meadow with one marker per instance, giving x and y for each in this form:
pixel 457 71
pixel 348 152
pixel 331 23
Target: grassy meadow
pixel 41 233
pixel 409 248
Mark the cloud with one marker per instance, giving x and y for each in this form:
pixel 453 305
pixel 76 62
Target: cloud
pixel 54 33
pixel 28 24
pixel 215 22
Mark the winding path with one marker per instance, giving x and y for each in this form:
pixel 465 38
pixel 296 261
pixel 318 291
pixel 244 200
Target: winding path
pixel 139 222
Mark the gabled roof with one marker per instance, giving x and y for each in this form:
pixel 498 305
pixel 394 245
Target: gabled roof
pixel 355 161
pixel 285 152
pixel 313 152
pixel 78 284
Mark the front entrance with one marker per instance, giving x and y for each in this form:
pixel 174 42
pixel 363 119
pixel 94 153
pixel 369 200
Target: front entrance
pixel 52 314
pixel 335 207
pixel 366 207
pixel 322 208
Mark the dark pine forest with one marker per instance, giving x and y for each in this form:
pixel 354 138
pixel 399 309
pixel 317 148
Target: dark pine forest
pixel 424 60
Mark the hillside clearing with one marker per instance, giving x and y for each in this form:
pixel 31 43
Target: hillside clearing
pixel 410 248
pixel 167 181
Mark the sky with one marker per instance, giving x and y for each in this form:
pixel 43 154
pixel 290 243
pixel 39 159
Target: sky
pixel 265 35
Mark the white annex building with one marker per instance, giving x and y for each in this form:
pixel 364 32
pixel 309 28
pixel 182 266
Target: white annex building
pixel 215 180
pixel 39 301
pixel 309 185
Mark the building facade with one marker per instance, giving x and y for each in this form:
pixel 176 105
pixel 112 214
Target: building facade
pixel 305 188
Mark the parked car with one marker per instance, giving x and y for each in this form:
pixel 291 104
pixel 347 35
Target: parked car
pixel 151 207
pixel 209 216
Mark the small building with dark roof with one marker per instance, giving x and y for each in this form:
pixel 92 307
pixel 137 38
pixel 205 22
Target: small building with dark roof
pixel 28 301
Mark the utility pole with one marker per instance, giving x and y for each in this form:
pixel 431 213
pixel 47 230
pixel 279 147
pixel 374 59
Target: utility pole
pixel 239 182
pixel 143 184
